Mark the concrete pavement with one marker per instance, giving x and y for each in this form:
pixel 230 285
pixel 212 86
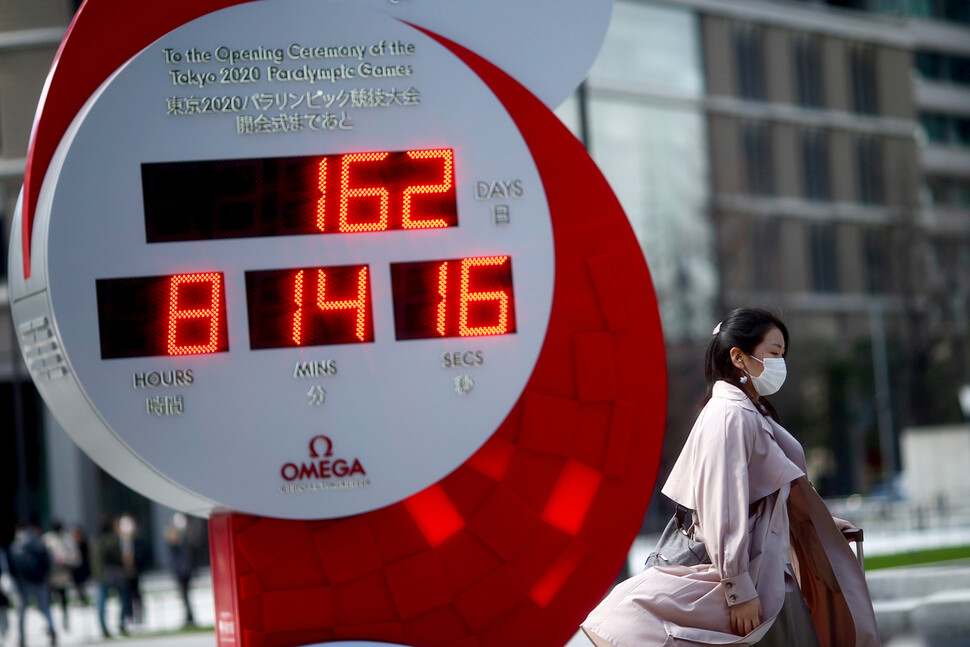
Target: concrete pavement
pixel 925 606
pixel 162 619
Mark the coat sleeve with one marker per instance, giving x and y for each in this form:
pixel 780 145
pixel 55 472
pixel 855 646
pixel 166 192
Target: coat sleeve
pixel 721 494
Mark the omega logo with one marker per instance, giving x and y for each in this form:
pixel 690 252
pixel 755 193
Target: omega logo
pixel 155 379
pixel 321 464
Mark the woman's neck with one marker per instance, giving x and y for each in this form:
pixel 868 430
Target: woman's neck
pixel 750 391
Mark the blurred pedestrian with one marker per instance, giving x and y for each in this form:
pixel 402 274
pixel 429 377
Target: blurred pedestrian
pixel 108 571
pixel 6 590
pixel 134 555
pixel 82 572
pixel 30 565
pixel 181 559
pixel 64 557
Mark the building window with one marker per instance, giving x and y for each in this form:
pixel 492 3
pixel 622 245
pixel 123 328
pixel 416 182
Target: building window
pixel 808 72
pixel 858 5
pixel 823 257
pixel 930 65
pixel 750 62
pixel 862 76
pixel 949 191
pixel 869 171
pixel 945 129
pixel 766 254
pixel 957 11
pixel 815 165
pixel 759 170
pixel 875 253
pixel 961 131
pixel 935 126
pixel 954 10
pixel 959 70
pixel 946 68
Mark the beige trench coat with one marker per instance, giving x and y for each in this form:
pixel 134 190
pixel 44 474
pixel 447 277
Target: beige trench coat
pixel 734 470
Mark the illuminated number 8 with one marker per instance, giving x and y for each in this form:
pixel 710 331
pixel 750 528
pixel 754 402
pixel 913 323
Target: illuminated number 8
pixel 177 314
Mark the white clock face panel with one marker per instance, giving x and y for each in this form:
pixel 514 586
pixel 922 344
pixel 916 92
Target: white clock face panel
pixel 301 274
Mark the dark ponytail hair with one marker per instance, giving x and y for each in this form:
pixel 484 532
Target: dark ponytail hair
pixel 744 328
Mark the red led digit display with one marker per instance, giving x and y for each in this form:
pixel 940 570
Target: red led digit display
pixel 148 316
pixel 286 196
pixel 310 306
pixel 466 297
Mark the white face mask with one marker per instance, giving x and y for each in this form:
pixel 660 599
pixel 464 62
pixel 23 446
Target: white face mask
pixel 771 378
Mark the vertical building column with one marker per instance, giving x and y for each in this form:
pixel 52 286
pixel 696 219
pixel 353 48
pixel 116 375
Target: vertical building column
pixel 70 478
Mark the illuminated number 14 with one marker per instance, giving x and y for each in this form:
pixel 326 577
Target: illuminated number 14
pixel 359 303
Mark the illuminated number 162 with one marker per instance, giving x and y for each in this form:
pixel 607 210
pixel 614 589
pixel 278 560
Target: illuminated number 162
pixel 379 205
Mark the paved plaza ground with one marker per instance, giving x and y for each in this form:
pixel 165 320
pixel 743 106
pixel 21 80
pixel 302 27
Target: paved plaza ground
pixel 925 606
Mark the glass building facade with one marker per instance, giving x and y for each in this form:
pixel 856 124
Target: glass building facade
pixel 646 129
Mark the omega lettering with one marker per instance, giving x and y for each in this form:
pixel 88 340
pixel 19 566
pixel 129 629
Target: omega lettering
pixel 155 379
pixel 322 470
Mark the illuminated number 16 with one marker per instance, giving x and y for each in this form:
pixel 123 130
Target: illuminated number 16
pixel 466 297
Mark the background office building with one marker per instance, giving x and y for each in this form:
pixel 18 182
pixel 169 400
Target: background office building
pixel 809 157
pixel 781 154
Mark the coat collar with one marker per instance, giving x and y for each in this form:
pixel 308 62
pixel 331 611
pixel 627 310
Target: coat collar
pixel 728 391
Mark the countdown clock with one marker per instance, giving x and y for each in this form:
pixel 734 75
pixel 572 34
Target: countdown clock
pixel 320 272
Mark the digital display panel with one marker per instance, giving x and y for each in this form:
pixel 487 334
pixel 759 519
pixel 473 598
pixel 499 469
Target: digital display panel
pixel 285 196
pixel 466 297
pixel 312 306
pixel 148 316
pixel 185 314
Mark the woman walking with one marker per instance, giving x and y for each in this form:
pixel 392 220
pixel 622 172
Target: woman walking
pixel 780 572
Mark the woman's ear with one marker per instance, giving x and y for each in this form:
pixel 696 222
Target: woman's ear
pixel 737 355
